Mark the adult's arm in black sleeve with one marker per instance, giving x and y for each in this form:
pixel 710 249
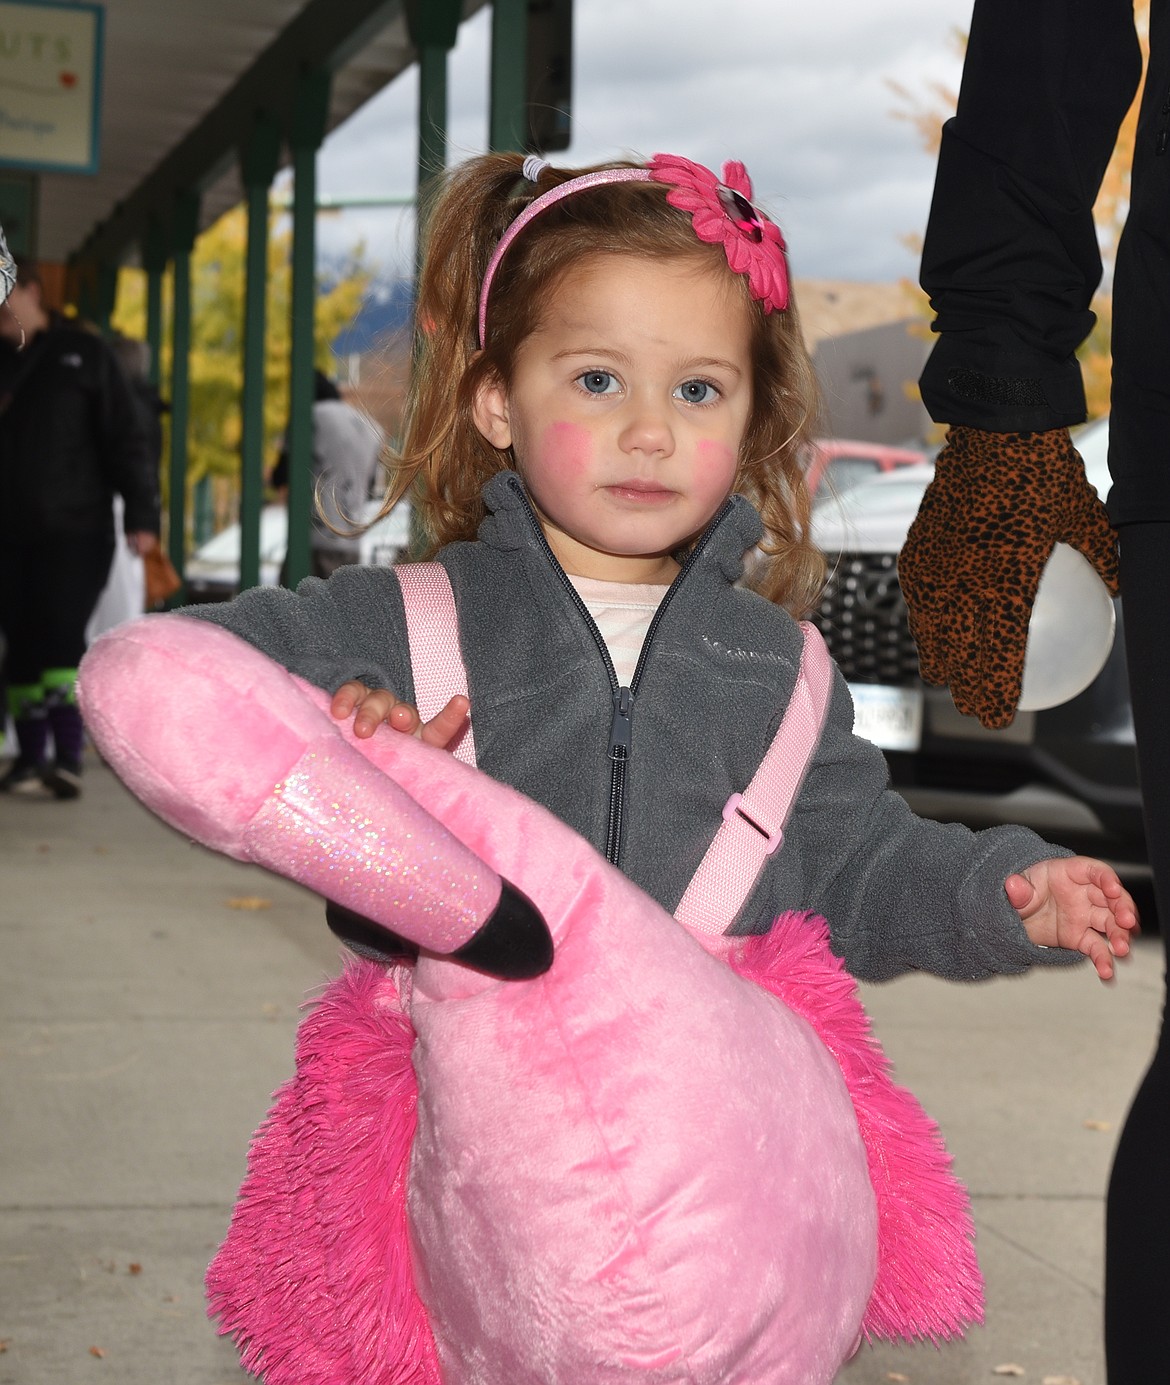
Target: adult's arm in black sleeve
pixel 1010 259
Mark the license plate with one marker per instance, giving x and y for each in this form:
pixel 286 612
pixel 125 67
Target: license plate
pixel 889 717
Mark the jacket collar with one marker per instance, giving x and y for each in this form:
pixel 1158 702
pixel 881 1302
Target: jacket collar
pixel 510 524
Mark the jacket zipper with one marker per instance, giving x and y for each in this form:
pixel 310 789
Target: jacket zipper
pixel 621 725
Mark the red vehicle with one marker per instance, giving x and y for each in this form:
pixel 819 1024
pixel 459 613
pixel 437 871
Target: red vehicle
pixel 836 465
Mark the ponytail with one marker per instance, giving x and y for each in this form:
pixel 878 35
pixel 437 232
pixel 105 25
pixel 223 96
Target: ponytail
pixel 444 461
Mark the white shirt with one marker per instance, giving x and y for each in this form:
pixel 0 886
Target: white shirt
pixel 622 612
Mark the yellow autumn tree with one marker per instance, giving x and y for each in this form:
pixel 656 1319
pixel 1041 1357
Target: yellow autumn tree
pixel 927 110
pixel 216 352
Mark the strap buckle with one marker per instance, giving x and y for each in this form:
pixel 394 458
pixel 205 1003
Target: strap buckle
pixel 734 808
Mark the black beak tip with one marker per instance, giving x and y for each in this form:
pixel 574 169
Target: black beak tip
pixel 514 944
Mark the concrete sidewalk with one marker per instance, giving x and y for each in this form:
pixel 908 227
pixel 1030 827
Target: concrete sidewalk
pixel 151 1013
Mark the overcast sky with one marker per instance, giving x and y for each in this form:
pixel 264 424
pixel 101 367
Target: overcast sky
pixel 799 90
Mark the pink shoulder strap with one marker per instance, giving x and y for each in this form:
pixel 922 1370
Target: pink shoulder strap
pixel 753 821
pixel 432 628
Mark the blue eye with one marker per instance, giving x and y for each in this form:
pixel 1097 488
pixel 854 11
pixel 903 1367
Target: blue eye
pixel 697 392
pixel 598 382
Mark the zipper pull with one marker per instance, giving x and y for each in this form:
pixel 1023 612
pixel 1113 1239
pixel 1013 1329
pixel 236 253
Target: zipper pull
pixel 619 731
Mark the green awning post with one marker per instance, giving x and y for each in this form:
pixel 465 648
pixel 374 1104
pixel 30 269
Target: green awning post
pixel 508 118
pixel 433 26
pixel 259 156
pixel 432 124
pixel 154 262
pixel 184 228
pixel 309 115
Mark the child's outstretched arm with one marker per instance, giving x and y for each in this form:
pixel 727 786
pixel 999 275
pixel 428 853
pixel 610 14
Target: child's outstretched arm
pixel 1076 903
pixel 370 707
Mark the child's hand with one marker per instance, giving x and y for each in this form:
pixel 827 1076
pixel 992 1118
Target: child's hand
pixel 373 706
pixel 1077 903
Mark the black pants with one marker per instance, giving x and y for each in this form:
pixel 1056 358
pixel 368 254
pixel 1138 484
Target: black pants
pixel 1137 1249
pixel 49 588
pixel 1137 1240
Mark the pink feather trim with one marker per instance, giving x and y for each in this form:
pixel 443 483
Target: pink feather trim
pixel 308 1284
pixel 928 1282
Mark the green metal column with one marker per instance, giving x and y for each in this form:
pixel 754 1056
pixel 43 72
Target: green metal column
pixel 434 27
pixel 258 160
pixel 154 261
pixel 508 119
pixel 432 117
pixel 308 130
pixel 183 232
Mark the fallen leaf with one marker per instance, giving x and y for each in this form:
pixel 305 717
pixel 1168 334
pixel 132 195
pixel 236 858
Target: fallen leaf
pixel 4 1343
pixel 135 1268
pixel 1095 1125
pixel 96 1351
pixel 43 847
pixel 898 1377
pixel 1009 1368
pixel 252 902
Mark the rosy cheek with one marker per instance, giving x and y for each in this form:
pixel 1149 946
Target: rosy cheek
pixel 567 447
pixel 716 469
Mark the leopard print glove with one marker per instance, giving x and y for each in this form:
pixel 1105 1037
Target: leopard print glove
pixel 972 560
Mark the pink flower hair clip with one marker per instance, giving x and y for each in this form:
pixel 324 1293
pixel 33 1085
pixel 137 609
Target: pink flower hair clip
pixel 723 212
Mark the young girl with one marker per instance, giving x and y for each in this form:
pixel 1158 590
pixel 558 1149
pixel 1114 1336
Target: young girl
pixel 607 413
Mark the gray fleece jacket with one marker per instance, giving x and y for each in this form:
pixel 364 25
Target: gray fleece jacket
pixel 716 672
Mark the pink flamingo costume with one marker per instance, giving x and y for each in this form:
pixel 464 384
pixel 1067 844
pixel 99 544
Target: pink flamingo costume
pixel 662 1158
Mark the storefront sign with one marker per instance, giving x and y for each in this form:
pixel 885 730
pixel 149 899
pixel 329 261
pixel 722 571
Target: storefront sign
pixel 50 85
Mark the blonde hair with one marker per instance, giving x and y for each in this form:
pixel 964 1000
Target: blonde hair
pixel 445 461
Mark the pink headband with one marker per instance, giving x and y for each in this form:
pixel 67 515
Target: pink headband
pixel 720 211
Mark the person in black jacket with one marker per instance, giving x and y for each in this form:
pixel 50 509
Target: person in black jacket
pixel 1011 262
pixel 70 438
